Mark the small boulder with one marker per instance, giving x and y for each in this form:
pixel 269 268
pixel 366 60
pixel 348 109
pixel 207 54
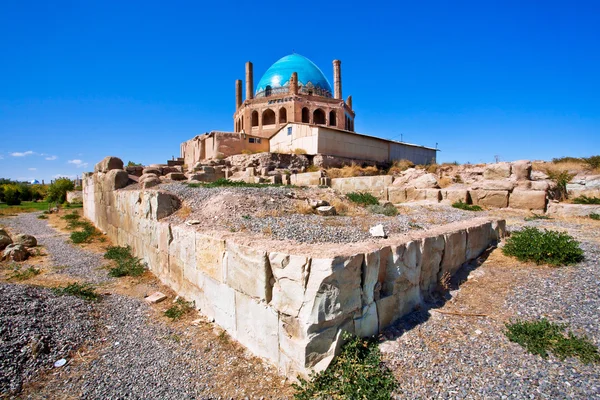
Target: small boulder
pixel 522 170
pixel 25 240
pixel 109 163
pixel 116 179
pixel 176 176
pixel 152 170
pixel 378 231
pixel 150 182
pixel 3 232
pixel 427 181
pixel 497 171
pixel 314 203
pixel 5 240
pixel 326 210
pixel 15 252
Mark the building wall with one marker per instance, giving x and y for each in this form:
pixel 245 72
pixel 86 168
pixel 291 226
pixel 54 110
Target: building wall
pixel 302 137
pixel 220 144
pixel 343 144
pixel 418 155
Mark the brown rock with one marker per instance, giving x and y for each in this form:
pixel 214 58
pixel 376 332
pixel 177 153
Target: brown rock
pixel 15 252
pixel 5 240
pixel 176 176
pixel 25 240
pixel 109 163
pixel 522 170
pixel 116 179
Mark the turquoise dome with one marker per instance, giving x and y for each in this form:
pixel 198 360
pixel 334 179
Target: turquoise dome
pixel 310 77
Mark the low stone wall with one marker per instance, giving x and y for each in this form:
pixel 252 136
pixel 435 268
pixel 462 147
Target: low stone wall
pixel 288 308
pixel 376 185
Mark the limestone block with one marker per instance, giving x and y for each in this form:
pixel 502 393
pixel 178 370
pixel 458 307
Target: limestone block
pixel 322 348
pixel 403 269
pixel 434 195
pixel 494 185
pixel 290 273
pixel 432 250
pixel 175 279
pixel 165 236
pixel 292 346
pixel 528 199
pixel 540 185
pixel 392 308
pixel 306 178
pixel 116 179
pixel 478 239
pixel 490 198
pixel 396 194
pixel 497 171
pixel 367 323
pixel 572 210
pixel 427 181
pixel 257 326
pixel 248 271
pixel 333 289
pixel 370 277
pixel 152 171
pixel 176 176
pixel 413 194
pixel 455 251
pixel 498 230
pixel 455 195
pixel 275 179
pixel 522 170
pixel 210 252
pixel 219 303
pixel 109 163
pixel 163 204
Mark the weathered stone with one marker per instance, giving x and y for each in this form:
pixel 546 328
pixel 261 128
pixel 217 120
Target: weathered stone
pixel 109 163
pixel 427 181
pixel 147 176
pixel 455 252
pixel 25 240
pixel 413 194
pixel 407 176
pixel 326 210
pixel 257 326
pixel 152 170
pixel 366 323
pixel 74 197
pixel 156 297
pixel 572 210
pixel 115 179
pixel 248 271
pixel 490 198
pixel 478 239
pixel 3 232
pixel 455 195
pixel 538 176
pixel 403 270
pixel 497 171
pixel 15 252
pixel 290 273
pixel 210 252
pixel 378 231
pixel 176 176
pixel 494 185
pixel 432 249
pixel 220 304
pixel 370 277
pixel 314 203
pixel 397 195
pixel 434 195
pixel 522 170
pixel 5 240
pixel 150 182
pixel 528 199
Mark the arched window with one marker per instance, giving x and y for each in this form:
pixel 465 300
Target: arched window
pixel 319 117
pixel 332 121
pixel 268 117
pixel 305 115
pixel 267 92
pixel 282 115
pixel 254 118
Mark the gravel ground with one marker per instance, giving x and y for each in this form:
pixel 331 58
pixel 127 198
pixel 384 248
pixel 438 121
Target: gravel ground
pixel 446 356
pixel 77 262
pixel 268 211
pixel 37 328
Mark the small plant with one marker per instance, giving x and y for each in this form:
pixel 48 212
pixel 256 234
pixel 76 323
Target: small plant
pixel 535 217
pixel 593 161
pixel 595 216
pixel 179 309
pixel 414 225
pixel 583 199
pixel 543 336
pixel 547 247
pixel 133 164
pixel 445 282
pixel 71 217
pixel 246 217
pixel 561 178
pixel 81 237
pixel 127 264
pixel 85 291
pixel 23 275
pixel 312 168
pixel 357 373
pixel 362 198
pixel 458 178
pixel 42 216
pixel 389 211
pixel 464 206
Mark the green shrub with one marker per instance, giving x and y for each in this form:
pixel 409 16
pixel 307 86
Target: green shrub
pixel 583 199
pixel 540 337
pixel 389 211
pixel 547 247
pixel 464 206
pixel 42 216
pixel 179 309
pixel 12 195
pixel 85 291
pixel 81 237
pixel 362 198
pixel 127 264
pixel 561 178
pixel 357 373
pixel 595 216
pixel 57 191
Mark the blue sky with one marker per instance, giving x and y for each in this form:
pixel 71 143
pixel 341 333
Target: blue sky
pixel 80 80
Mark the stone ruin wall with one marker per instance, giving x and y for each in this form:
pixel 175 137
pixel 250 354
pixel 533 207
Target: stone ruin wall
pixel 290 309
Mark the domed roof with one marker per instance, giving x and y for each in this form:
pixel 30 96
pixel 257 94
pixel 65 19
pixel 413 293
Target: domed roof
pixel 309 75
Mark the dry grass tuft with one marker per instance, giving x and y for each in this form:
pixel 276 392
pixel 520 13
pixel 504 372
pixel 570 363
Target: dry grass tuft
pixel 312 168
pixel 353 170
pixel 184 211
pixel 400 166
pixel 445 181
pixel 574 167
pixel 298 151
pixel 301 207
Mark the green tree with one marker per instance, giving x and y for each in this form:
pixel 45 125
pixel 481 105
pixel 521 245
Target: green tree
pixel 57 191
pixel 11 195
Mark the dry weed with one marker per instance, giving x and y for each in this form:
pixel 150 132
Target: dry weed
pixel 353 170
pixel 444 282
pixel 400 166
pixel 184 211
pixel 445 181
pixel 267 230
pixel 301 207
pixel 574 167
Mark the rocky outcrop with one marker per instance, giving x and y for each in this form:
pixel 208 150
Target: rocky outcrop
pixel 109 163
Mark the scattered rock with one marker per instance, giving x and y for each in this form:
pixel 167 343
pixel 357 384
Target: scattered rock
pixel 192 222
pixel 315 203
pixel 5 240
pixel 25 240
pixel 326 210
pixel 378 231
pixel 156 297
pixel 15 252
